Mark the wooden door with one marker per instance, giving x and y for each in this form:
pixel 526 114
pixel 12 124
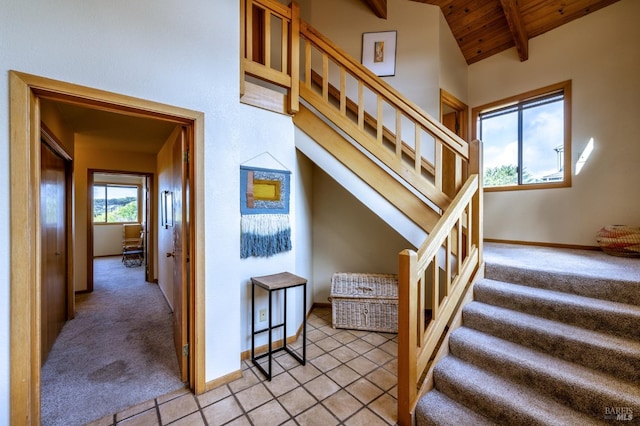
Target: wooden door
pixel 180 253
pixel 53 221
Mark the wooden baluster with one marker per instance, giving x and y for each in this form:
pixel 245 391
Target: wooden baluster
pixel 343 91
pixel 379 119
pixel 325 77
pixel 399 136
pixel 360 105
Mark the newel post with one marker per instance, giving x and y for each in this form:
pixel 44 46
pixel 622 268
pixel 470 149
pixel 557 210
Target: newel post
pixel 407 334
pixel 476 167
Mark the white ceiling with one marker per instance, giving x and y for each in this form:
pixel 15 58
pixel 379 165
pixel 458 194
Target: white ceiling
pixel 113 130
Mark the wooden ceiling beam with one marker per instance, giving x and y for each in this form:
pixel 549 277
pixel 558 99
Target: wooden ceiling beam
pixel 379 7
pixel 514 19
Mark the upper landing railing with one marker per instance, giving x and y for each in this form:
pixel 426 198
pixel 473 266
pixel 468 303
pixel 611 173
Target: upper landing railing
pixel 284 52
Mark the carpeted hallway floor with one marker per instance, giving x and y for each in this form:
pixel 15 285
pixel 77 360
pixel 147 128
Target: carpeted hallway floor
pixel 117 351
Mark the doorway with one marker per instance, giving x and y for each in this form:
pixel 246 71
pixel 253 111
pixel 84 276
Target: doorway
pixel 26 280
pixel 127 196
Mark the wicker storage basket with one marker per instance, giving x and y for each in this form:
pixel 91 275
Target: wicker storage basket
pixel 620 240
pixel 365 301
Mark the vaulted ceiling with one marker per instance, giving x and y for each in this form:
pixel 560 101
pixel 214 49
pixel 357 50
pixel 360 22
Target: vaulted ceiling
pixel 483 28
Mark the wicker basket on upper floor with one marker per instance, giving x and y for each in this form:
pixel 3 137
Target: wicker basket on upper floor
pixel 620 240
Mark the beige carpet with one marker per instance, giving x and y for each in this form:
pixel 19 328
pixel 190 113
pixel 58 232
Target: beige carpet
pixel 117 352
pixel 551 338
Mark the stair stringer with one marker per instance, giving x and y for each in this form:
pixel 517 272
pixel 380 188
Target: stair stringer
pixel 389 199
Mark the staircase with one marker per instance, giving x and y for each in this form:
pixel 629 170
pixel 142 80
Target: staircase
pixel 539 345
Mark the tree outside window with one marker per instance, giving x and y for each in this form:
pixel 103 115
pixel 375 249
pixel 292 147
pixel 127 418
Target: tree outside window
pixel 526 139
pixel 115 203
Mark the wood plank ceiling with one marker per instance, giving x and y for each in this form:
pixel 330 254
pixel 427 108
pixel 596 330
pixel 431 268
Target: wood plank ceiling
pixel 486 27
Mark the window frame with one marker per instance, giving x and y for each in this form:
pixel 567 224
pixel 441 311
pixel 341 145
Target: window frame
pixel 562 87
pixel 113 184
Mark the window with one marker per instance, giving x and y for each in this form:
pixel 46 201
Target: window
pixel 526 139
pixel 115 203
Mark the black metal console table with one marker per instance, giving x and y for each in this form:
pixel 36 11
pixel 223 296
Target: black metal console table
pixel 282 281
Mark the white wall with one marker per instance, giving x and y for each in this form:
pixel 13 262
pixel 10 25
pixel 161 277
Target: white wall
pixel 183 53
pixel 348 236
pixel 600 54
pixel 417 51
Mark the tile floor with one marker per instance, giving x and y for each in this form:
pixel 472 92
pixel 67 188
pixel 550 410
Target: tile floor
pixel 350 378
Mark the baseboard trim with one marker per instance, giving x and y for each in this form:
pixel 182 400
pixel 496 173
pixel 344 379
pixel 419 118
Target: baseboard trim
pixel 228 378
pixel 542 244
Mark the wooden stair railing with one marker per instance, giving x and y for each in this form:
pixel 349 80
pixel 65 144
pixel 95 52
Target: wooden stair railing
pixel 390 109
pixel 280 49
pixel 424 287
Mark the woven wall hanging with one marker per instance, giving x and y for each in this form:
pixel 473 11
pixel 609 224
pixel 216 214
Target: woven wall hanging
pixel 264 211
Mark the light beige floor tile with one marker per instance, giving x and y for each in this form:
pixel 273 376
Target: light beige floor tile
pixel 222 411
pixel 313 351
pixel 322 387
pixel 386 407
pixel 378 356
pixel 254 396
pixel 391 347
pixel 287 362
pixel 345 337
pixel 315 335
pixel 194 419
pixel 393 391
pixel 281 384
pixel 177 407
pixel 328 344
pixel 137 409
pixel 276 368
pixel 360 346
pixel 375 339
pixel 344 354
pixel 392 366
pixel 248 379
pixel 270 414
pixel 342 404
pixel 304 373
pixel 325 363
pixel 147 418
pixel 364 390
pixel 317 416
pixel 382 378
pixel 214 395
pixel 240 421
pixel 297 401
pixel 343 375
pixel 365 417
pixel 180 392
pixel 362 365
pixel 329 330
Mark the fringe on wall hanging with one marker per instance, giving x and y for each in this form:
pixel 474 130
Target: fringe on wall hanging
pixel 264 209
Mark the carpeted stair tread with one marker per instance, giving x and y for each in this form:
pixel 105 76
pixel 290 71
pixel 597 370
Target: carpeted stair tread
pixel 593 314
pixel 614 355
pixel 615 290
pixel 437 409
pixel 501 400
pixel 583 389
pixel 590 273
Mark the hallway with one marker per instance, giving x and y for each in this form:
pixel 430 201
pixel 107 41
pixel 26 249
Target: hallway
pixel 116 352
